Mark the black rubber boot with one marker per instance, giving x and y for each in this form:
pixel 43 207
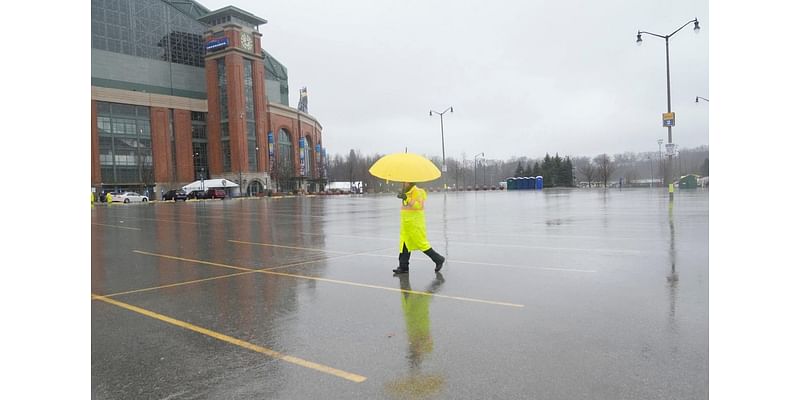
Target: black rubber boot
pixel 436 257
pixel 404 257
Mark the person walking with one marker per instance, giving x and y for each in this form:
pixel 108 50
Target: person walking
pixel 413 235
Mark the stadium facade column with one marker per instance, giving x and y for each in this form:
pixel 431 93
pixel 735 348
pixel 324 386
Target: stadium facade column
pixel 242 45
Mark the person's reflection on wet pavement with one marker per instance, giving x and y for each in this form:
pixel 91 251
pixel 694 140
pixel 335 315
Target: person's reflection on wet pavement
pixel 420 343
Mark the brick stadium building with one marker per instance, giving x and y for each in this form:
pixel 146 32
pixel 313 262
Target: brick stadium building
pixel 182 93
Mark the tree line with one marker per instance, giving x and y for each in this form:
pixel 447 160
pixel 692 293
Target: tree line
pixel 556 171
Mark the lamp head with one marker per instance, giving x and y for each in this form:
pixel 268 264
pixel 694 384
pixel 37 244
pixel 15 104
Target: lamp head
pixel 451 109
pixel 639 39
pixel 430 113
pixel 696 26
pixel 697 99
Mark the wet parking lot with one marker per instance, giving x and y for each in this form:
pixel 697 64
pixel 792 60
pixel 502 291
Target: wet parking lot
pixel 560 294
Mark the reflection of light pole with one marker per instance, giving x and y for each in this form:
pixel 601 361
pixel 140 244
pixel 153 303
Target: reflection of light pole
pixel 669 95
pixel 660 161
pixel 651 171
pixel 444 160
pixel 475 167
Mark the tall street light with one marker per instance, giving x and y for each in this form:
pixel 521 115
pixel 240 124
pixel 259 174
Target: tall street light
pixel 475 167
pixel 670 148
pixel 444 160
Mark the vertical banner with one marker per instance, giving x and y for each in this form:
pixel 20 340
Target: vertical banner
pixel 324 158
pixel 302 156
pixel 318 158
pixel 271 145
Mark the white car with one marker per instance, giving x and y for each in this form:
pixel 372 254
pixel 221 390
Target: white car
pixel 128 197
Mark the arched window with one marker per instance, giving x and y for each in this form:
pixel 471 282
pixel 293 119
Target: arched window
pixel 285 149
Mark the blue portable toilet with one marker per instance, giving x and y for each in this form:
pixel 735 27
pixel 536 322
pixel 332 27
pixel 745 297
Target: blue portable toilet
pixel 529 183
pixel 539 182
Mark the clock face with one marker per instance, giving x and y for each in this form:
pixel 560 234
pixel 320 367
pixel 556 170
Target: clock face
pixel 247 41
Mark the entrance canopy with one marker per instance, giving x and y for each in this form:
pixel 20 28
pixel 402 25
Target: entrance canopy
pixel 208 184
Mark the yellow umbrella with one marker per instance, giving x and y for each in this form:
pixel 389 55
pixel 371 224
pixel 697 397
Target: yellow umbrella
pixel 405 167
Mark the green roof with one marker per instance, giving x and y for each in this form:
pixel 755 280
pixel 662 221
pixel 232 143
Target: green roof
pixel 274 67
pixel 189 7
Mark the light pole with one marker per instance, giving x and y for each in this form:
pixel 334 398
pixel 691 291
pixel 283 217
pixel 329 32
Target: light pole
pixel 697 99
pixel 195 157
pixel 257 159
pixel 484 174
pixel 444 160
pixel 670 148
pixel 475 167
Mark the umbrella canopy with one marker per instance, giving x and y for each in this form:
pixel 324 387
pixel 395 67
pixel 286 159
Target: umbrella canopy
pixel 208 184
pixel 405 167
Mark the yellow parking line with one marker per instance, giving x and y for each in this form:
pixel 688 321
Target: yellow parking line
pixel 178 284
pixel 519 246
pixel 231 275
pixel 117 226
pixel 314 278
pixel 197 261
pixel 501 265
pixel 238 342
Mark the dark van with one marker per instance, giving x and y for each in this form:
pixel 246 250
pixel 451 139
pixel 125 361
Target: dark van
pixel 175 195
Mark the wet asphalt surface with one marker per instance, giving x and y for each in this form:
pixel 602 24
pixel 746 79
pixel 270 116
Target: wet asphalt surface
pixel 561 294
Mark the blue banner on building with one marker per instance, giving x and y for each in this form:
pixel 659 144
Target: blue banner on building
pixel 324 157
pixel 318 158
pixel 302 156
pixel 216 44
pixel 271 145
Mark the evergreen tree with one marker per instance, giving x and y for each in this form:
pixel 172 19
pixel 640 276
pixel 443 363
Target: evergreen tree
pixel 537 170
pixel 570 177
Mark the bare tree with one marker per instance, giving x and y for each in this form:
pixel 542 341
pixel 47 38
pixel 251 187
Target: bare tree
pixel 605 167
pixel 589 171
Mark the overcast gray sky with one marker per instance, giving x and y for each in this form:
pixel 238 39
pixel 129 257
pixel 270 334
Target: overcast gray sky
pixel 524 77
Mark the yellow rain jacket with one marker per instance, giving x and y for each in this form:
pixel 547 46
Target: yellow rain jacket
pixel 412 221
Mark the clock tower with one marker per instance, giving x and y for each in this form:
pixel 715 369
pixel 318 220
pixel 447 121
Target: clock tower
pixel 237 119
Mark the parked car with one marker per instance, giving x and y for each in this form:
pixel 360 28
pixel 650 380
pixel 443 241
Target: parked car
pixel 197 194
pixel 215 194
pixel 128 197
pixel 175 195
pixel 207 194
